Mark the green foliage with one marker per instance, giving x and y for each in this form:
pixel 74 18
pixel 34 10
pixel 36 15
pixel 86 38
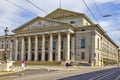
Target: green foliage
pixel 38 63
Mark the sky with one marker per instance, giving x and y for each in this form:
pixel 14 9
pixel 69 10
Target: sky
pixel 12 16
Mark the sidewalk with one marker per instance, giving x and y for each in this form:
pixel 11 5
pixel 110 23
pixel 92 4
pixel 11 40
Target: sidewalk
pixel 14 69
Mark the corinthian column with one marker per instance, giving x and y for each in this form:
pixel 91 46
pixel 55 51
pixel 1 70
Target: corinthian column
pixel 68 46
pixel 59 47
pixel 51 47
pixel 22 48
pixel 36 48
pixel 29 48
pixel 16 49
pixel 43 47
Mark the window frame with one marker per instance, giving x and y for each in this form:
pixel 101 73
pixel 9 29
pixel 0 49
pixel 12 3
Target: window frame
pixel 83 43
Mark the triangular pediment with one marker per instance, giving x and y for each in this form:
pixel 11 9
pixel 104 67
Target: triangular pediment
pixel 39 23
pixel 62 13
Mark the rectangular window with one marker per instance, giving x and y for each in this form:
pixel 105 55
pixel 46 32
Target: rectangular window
pixel 2 46
pixel 98 43
pixel 61 44
pixel 82 43
pixel 82 55
pixel 54 44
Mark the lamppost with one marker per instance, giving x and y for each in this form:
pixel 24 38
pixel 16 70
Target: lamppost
pixel 6 64
pixel 5 52
pixel 109 15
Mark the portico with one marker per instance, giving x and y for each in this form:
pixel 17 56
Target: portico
pixel 43 47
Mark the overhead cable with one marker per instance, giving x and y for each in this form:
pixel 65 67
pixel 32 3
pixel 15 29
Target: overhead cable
pixel 21 7
pixel 97 8
pixel 89 10
pixel 36 6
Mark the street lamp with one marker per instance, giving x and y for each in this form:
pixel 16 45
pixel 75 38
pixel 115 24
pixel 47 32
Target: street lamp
pixel 107 15
pixel 6 65
pixel 6 34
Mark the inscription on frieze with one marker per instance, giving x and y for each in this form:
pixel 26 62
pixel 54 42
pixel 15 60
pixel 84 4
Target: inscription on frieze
pixel 42 24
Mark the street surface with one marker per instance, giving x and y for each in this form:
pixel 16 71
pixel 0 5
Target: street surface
pixel 62 73
pixel 27 72
pixel 110 74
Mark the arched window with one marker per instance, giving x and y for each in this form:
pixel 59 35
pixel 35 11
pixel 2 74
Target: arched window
pixel 83 43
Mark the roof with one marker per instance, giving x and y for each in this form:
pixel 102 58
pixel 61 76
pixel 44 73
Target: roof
pixel 38 17
pixel 77 13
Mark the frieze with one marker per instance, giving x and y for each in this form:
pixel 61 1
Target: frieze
pixel 42 24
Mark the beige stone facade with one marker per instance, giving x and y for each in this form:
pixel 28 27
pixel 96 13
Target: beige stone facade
pixel 63 35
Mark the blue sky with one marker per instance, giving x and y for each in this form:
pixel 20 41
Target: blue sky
pixel 12 16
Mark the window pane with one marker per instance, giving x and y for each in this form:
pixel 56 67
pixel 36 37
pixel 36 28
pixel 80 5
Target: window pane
pixel 82 43
pixel 54 44
pixel 82 55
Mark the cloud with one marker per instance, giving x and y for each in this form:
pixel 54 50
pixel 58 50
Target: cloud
pixel 115 36
pixel 10 15
pixel 13 17
pixel 106 1
pixel 7 14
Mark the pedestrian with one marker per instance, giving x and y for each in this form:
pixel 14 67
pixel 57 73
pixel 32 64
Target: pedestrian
pixel 67 64
pixel 23 64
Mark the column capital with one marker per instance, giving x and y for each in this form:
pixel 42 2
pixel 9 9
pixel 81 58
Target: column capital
pixel 43 34
pixel 59 33
pixel 36 35
pixel 51 34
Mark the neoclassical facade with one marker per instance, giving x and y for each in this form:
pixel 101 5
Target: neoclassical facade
pixel 63 35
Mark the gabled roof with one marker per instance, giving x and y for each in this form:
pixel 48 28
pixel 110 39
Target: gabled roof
pixel 70 12
pixel 38 18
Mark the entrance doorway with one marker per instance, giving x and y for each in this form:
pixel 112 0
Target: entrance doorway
pixel 46 56
pixel 32 57
pixel 39 56
pixel 53 56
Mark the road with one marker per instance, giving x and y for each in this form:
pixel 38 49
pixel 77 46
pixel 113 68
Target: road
pixel 78 74
pixel 109 74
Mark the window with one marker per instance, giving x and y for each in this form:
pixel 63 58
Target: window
pixel 82 43
pixel 83 30
pixel 2 46
pixel 62 44
pixel 54 44
pixel 72 22
pixel 82 55
pixel 98 43
pixel 7 46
